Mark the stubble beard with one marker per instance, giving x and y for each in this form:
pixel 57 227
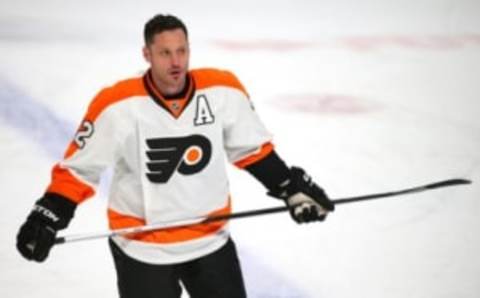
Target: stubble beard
pixel 168 84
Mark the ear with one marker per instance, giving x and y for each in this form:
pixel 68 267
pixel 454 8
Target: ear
pixel 147 54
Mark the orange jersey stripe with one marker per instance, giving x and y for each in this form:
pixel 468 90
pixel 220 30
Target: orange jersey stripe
pixel 255 157
pixel 206 77
pixel 168 235
pixel 65 184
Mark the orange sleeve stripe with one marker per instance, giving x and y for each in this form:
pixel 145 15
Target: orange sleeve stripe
pixel 168 235
pixel 111 95
pixel 255 157
pixel 209 77
pixel 65 184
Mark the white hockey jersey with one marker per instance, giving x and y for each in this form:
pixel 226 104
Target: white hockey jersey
pixel 168 157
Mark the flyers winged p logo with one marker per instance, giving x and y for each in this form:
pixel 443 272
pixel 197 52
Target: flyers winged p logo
pixel 187 155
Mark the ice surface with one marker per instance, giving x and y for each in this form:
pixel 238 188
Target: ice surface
pixel 368 96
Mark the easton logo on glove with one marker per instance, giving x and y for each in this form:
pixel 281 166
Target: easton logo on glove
pixel 187 155
pixel 46 212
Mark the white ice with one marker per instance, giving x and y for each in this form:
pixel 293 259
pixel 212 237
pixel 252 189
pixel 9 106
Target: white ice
pixel 368 96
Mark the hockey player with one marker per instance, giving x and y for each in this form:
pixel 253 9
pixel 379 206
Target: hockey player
pixel 166 134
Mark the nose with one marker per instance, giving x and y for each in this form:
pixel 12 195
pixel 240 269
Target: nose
pixel 175 60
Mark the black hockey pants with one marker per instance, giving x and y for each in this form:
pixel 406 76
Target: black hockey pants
pixel 217 275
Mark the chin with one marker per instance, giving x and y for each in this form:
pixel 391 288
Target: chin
pixel 181 79
pixel 177 84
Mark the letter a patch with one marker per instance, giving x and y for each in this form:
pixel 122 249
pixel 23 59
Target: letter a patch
pixel 204 114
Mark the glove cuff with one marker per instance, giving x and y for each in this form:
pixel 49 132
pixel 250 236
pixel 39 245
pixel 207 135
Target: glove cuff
pixel 300 182
pixel 54 210
pixel 283 191
pixel 295 182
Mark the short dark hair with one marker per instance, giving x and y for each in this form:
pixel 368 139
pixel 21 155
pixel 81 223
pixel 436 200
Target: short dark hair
pixel 160 23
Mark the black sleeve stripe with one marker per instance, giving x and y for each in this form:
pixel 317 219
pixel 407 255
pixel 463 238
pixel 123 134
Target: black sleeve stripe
pixel 270 171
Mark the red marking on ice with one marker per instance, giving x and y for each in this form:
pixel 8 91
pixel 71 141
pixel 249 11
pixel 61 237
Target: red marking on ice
pixel 357 43
pixel 435 42
pixel 263 44
pixel 471 38
pixel 324 103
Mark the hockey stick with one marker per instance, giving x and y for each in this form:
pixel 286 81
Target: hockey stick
pixel 250 213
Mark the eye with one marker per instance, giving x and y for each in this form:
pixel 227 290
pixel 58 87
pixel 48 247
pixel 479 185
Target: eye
pixel 164 53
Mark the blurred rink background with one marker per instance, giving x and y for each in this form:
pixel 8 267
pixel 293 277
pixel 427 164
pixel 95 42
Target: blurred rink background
pixel 368 96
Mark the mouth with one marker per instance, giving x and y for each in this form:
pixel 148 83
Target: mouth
pixel 175 73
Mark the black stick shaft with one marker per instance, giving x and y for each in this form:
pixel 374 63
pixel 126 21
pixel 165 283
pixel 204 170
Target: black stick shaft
pixel 451 182
pixel 251 213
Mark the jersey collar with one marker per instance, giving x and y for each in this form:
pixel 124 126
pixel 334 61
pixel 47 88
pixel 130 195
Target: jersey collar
pixel 174 105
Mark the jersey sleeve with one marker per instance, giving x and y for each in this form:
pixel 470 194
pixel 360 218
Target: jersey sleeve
pixel 246 139
pixel 92 150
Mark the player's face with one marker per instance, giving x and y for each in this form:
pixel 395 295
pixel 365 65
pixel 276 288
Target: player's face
pixel 168 56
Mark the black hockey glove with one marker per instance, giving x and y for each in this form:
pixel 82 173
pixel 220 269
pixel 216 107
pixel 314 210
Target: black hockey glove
pixel 37 235
pixel 306 200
